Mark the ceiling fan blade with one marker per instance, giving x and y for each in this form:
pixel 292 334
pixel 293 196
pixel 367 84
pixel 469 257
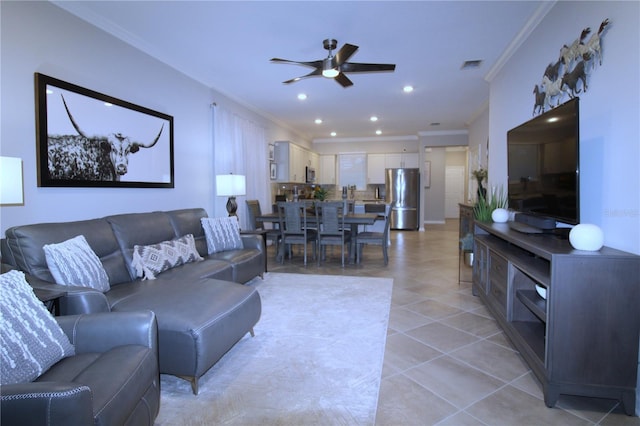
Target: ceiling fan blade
pixel 345 53
pixel 312 64
pixel 343 80
pixel 313 73
pixel 355 67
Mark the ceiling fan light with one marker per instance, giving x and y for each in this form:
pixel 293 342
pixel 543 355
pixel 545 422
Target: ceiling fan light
pixel 330 73
pixel 329 69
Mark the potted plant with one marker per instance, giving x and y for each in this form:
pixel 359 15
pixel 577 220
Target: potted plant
pixel 466 245
pixel 480 175
pixel 319 193
pixel 486 204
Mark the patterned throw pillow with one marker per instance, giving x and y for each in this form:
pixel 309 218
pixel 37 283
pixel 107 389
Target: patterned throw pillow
pixel 223 233
pixel 73 262
pixel 31 340
pixel 151 260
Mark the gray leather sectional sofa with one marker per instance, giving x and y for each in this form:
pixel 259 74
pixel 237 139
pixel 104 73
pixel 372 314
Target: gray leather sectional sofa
pixel 202 308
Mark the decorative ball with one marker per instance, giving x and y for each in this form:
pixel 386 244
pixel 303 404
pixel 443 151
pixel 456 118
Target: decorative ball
pixel 500 215
pixel 586 236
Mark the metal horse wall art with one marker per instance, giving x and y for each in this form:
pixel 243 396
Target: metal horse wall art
pixel 568 75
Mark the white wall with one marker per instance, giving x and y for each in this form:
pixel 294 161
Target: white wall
pixel 478 135
pixel 609 111
pixel 433 198
pixel 40 37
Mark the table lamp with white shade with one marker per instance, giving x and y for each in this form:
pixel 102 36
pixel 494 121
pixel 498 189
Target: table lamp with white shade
pixel 231 186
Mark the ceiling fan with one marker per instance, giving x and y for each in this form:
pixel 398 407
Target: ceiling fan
pixel 336 66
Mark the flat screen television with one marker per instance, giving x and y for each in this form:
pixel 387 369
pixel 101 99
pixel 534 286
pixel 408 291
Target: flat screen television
pixel 543 165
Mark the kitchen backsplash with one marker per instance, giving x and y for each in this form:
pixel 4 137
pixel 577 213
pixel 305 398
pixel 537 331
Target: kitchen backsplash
pixel 334 192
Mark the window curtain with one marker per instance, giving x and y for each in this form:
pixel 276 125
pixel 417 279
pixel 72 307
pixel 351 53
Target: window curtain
pixel 241 147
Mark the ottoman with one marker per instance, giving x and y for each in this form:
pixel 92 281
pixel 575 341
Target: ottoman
pixel 197 326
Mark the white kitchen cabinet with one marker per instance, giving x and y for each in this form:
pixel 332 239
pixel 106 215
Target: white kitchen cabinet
pixel 327 170
pixel 314 160
pixel 402 160
pixel 297 162
pixel 291 161
pixel 411 160
pixel 376 163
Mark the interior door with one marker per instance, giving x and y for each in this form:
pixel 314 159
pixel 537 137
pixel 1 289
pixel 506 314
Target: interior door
pixel 453 190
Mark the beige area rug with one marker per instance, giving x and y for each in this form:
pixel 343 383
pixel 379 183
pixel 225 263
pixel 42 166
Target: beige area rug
pixel 316 358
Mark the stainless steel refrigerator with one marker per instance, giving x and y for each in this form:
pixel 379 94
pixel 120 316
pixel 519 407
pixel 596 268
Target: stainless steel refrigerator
pixel 403 194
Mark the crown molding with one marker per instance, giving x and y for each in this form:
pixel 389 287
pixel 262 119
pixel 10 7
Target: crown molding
pixel 520 38
pixel 368 139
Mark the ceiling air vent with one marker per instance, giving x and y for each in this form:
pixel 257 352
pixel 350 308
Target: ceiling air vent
pixel 471 64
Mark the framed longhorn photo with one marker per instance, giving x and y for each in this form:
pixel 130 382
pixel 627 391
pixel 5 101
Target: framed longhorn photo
pixel 88 139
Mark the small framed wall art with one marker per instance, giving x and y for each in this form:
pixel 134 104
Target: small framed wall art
pixel 273 171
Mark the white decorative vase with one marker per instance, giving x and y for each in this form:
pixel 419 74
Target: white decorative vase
pixel 500 215
pixel 586 236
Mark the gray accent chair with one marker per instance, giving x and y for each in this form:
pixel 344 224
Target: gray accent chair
pixel 113 378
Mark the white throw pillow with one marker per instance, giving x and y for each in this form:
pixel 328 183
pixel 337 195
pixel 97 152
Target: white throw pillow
pixel 31 341
pixel 154 259
pixel 223 233
pixel 73 262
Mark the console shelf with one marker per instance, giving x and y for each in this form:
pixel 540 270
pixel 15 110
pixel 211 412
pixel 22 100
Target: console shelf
pixel 581 340
pixel 534 303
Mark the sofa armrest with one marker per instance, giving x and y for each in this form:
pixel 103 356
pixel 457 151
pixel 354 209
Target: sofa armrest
pixel 78 300
pixel 252 241
pixel 86 301
pixel 46 403
pixel 104 331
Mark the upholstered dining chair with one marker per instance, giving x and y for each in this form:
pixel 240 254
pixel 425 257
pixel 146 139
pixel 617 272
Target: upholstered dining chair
pixel 331 229
pixel 293 227
pixel 380 209
pixel 374 238
pixel 255 211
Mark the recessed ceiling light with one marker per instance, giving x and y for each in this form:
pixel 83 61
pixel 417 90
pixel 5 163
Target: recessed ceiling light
pixel 407 89
pixel 378 132
pixel 318 121
pixel 302 96
pixel 333 133
pixel 373 118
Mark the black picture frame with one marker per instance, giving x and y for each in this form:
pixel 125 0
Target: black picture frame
pixel 88 139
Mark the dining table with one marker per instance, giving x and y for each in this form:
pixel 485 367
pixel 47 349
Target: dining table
pixel 351 219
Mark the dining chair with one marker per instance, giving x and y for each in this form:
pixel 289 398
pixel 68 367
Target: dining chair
pixel 255 211
pixel 380 209
pixel 331 228
pixel 374 238
pixel 293 227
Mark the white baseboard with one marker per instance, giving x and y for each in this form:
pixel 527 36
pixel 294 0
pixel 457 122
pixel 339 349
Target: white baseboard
pixel 434 222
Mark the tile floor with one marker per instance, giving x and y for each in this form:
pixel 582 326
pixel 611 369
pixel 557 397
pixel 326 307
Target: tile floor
pixel 447 361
